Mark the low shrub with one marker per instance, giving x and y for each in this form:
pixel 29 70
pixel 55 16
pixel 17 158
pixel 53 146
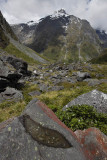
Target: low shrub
pixel 81 117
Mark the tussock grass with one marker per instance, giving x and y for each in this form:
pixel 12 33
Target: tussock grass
pixel 11 109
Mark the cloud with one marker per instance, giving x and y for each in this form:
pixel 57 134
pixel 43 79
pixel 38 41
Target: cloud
pixel 17 11
pixel 97 14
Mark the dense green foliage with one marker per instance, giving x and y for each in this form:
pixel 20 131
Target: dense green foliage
pixel 83 117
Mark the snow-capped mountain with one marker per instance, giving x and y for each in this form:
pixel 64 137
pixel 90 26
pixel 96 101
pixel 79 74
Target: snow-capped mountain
pixel 60 36
pixel 58 14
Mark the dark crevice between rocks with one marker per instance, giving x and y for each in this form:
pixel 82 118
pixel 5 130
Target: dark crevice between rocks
pixel 43 135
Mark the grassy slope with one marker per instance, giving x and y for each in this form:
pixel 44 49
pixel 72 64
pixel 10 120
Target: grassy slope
pixel 100 59
pixel 11 49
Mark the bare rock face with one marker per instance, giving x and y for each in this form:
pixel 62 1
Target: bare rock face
pixel 11 70
pixel 20 65
pixel 38 134
pixel 94 142
pixel 94 98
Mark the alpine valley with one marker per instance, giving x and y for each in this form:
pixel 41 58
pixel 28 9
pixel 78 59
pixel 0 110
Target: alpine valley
pixel 53 89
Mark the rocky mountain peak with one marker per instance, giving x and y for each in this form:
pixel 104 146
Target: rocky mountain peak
pixel 59 13
pixel 62 11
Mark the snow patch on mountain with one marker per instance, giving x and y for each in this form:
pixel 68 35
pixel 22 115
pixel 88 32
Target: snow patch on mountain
pixel 32 23
pixel 58 14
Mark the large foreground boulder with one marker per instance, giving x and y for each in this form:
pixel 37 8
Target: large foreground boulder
pixel 94 98
pixel 38 135
pixel 94 142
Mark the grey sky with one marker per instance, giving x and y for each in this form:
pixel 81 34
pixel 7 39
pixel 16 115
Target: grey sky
pixel 17 11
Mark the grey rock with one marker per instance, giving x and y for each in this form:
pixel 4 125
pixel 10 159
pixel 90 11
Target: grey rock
pixel 57 88
pixel 71 80
pixel 55 76
pixel 14 77
pixel 99 75
pixel 43 88
pixel 17 63
pixel 46 74
pixel 94 98
pixel 92 82
pixel 103 80
pixel 38 134
pixel 35 93
pixel 4 70
pixel 11 94
pixel 62 73
pixel 56 81
pixel 36 82
pixel 8 75
pixel 82 75
pixel 3 83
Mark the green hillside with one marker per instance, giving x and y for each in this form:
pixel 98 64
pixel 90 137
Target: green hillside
pixel 101 59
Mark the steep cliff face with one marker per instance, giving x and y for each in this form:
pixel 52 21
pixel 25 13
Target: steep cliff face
pixel 4 30
pixel 61 36
pixel 25 32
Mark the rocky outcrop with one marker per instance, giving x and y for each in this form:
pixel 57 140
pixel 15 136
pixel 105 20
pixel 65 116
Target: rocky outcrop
pixel 11 70
pixel 82 75
pixel 94 142
pixel 94 98
pixel 39 134
pixel 11 94
pixel 20 65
